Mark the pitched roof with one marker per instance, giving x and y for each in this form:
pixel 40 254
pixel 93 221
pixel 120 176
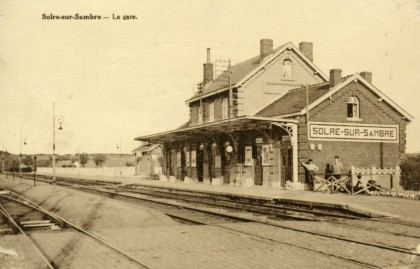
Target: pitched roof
pixel 239 71
pixel 147 148
pixel 359 78
pixel 294 100
pixel 184 125
pixel 244 70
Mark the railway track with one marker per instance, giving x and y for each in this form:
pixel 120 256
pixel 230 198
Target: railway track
pixel 197 215
pixel 287 211
pixel 38 224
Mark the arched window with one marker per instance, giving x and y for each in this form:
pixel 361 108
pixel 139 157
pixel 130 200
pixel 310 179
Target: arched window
pixel 287 69
pixel 353 107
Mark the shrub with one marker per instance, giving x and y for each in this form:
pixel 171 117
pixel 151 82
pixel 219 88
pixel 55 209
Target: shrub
pixel 99 159
pixel 15 169
pixel 410 173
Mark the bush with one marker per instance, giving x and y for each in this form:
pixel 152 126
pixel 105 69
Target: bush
pixel 24 169
pixel 410 173
pixel 27 169
pixel 99 159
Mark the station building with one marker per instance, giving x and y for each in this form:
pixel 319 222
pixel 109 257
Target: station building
pixel 251 124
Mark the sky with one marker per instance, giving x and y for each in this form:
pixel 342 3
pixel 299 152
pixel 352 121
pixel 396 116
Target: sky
pixel 114 80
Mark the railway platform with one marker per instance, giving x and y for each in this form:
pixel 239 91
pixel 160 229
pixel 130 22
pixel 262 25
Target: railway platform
pixel 370 205
pixel 404 209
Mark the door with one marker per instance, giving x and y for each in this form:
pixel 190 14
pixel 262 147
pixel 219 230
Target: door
pixel 200 165
pixel 258 169
pixel 287 167
pixel 183 165
pixel 225 163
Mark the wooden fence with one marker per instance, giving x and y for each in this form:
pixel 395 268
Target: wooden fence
pixel 361 180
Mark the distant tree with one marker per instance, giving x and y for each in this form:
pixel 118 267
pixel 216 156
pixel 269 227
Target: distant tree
pixel 410 173
pixel 99 159
pixel 44 162
pixel 28 160
pixel 83 159
pixel 4 154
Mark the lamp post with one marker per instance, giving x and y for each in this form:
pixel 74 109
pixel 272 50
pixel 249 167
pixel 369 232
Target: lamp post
pixel 34 170
pixel 20 154
pixel 119 146
pixel 60 120
pixel 7 174
pixel 2 161
pixel 78 164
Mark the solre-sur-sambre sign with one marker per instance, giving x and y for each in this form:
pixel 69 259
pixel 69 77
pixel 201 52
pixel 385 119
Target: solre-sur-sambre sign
pixel 353 132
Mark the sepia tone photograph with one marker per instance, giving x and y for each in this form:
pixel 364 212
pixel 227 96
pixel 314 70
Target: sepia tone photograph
pixel 209 134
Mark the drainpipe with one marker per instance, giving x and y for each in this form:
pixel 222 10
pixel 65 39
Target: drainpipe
pixel 295 152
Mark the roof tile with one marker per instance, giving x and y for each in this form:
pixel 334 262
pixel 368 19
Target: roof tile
pixel 294 100
pixel 239 71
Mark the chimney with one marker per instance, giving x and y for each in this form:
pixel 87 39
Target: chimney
pixel 307 48
pixel 208 69
pixel 335 77
pixel 266 47
pixel 367 76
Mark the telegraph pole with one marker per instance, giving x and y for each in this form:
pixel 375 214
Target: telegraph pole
pixel 230 92
pixel 53 157
pixel 2 160
pixel 20 154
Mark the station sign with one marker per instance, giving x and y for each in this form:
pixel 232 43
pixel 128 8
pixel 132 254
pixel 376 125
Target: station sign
pixel 353 132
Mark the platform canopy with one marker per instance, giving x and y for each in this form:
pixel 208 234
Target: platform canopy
pixel 242 123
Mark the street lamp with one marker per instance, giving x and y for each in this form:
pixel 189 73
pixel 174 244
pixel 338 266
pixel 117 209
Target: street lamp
pixel 2 160
pixel 78 163
pixel 119 146
pixel 35 170
pixel 20 153
pixel 60 120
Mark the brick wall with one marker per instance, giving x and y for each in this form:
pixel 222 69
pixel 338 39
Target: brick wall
pixel 194 113
pixel 218 107
pixel 360 154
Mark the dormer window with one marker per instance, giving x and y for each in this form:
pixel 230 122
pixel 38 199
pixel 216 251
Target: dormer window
pixel 353 108
pixel 287 69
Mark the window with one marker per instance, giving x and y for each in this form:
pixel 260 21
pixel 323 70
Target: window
pixel 287 69
pixel 211 112
pixel 353 107
pixel 200 115
pixel 225 109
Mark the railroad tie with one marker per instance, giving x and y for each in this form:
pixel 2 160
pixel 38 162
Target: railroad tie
pixel 36 224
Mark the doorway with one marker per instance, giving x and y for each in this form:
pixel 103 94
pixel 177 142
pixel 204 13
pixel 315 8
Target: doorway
pixel 200 164
pixel 225 164
pixel 258 168
pixel 287 163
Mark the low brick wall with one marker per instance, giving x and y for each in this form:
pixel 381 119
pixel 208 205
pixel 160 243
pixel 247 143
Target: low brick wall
pixel 88 171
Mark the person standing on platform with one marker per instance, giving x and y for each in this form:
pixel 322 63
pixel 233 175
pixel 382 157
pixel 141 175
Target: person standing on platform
pixel 337 167
pixel 311 169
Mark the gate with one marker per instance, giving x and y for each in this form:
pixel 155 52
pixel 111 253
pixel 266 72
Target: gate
pixel 333 184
